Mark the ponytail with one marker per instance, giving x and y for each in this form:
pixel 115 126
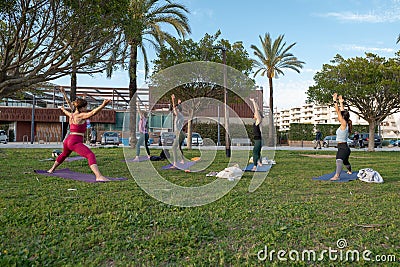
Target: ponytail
pixel 350 125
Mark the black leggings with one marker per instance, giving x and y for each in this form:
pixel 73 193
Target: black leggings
pixel 343 153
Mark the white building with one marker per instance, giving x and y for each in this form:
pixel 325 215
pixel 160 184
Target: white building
pixel 317 114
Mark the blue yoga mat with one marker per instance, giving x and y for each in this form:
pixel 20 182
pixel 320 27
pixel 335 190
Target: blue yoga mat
pixel 180 166
pixel 344 177
pixel 263 168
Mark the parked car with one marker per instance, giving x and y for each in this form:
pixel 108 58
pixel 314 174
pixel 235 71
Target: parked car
pixel 365 137
pixel 197 140
pixel 110 138
pixel 166 139
pixel 394 142
pixel 330 141
pixel 3 137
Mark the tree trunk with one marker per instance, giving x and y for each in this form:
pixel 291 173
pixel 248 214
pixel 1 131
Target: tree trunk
pixel 132 94
pixel 371 140
pixel 270 142
pixel 189 130
pixel 72 96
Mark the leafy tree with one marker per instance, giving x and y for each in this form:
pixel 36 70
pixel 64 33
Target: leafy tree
pixel 370 86
pixel 142 25
pixel 195 92
pixel 94 19
pixel 36 39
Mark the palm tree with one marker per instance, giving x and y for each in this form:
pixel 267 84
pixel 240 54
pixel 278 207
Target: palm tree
pixel 143 25
pixel 273 58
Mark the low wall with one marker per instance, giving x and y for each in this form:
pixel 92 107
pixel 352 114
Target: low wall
pixel 301 143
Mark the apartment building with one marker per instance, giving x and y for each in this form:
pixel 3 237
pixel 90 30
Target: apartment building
pixel 318 114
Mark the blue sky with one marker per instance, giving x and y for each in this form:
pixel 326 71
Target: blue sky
pixel 320 29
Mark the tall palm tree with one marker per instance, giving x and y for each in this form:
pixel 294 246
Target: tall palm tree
pixel 143 25
pixel 273 57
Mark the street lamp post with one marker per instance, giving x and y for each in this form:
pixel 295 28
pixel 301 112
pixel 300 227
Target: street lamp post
pixel 226 110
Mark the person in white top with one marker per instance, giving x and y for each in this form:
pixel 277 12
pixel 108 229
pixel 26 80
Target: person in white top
pixel 342 134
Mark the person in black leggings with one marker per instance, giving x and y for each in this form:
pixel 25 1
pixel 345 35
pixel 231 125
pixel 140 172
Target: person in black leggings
pixel 342 135
pixel 257 136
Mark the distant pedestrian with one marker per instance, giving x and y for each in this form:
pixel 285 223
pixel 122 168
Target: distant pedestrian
pixel 93 136
pixel 356 140
pixel 318 139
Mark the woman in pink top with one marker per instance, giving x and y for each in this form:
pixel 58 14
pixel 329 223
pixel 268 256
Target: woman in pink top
pixel 74 141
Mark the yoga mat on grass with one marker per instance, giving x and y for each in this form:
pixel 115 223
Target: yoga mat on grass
pixel 69 159
pixel 263 168
pixel 141 158
pixel 344 177
pixel 83 177
pixel 179 166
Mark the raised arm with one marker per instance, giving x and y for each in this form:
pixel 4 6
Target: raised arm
pixel 66 112
pixel 87 115
pixel 139 110
pixel 173 105
pixel 67 99
pixel 340 117
pixel 257 114
pixel 341 103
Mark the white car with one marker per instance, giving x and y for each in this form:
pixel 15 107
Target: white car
pixel 3 137
pixel 110 138
pixel 197 140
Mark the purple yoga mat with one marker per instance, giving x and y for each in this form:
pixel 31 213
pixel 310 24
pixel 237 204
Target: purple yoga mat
pixel 68 174
pixel 141 158
pixel 179 166
pixel 74 158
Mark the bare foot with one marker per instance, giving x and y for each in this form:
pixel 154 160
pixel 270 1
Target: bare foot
pixel 102 179
pixel 173 166
pixel 349 172
pixel 335 178
pixel 254 168
pixel 50 171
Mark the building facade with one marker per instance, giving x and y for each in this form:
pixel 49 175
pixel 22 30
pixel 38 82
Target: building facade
pixel 318 114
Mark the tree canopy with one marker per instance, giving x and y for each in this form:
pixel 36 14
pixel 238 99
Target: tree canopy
pixel 207 49
pixel 370 86
pixel 41 40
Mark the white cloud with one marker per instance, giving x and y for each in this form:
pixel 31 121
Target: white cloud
pixel 203 13
pixel 354 17
pixel 359 48
pixel 378 14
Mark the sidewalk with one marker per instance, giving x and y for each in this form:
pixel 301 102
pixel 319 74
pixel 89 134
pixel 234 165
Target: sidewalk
pixel 60 146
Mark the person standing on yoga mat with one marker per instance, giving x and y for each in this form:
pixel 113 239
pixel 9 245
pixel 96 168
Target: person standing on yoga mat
pixel 179 135
pixel 342 135
pixel 257 136
pixel 143 133
pixel 74 141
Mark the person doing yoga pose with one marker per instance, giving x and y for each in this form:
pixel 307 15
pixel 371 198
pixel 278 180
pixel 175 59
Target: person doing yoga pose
pixel 74 141
pixel 342 135
pixel 257 136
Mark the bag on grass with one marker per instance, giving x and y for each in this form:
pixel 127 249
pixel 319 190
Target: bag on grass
pixel 369 175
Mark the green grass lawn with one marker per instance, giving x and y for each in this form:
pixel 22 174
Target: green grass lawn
pixel 49 221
